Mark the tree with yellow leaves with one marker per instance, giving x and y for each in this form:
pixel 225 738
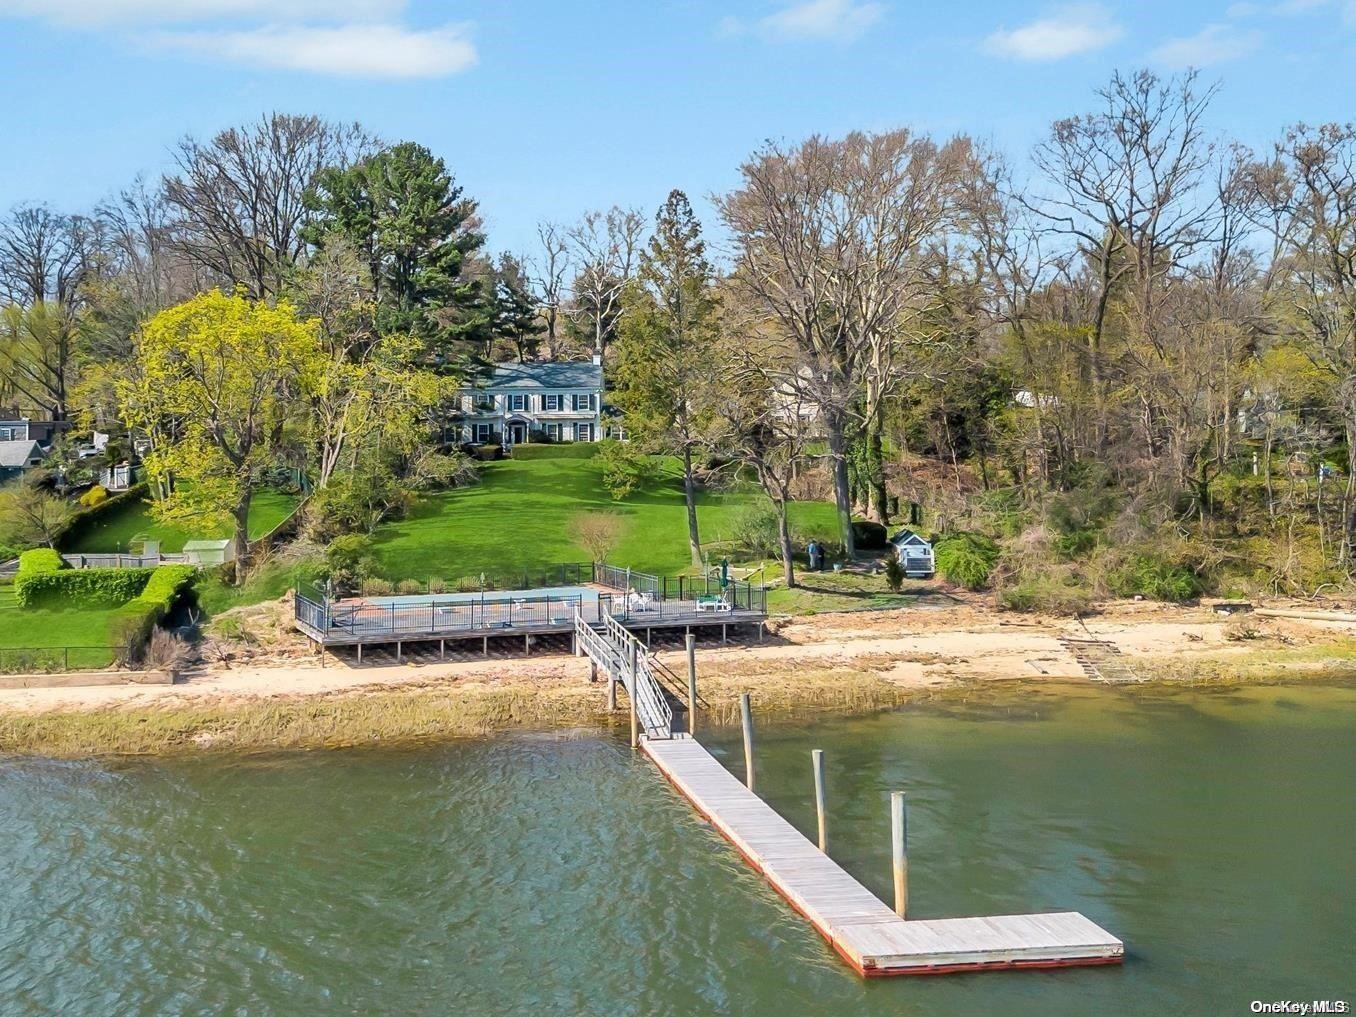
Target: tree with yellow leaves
pixel 223 381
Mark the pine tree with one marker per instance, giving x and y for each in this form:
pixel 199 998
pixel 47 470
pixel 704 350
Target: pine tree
pixel 666 373
pixel 404 214
pixel 517 317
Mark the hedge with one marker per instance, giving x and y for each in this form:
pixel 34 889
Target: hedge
pixel 135 619
pixel 85 518
pixel 78 587
pixel 564 450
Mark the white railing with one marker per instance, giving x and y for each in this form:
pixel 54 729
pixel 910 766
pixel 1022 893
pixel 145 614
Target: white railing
pixel 612 648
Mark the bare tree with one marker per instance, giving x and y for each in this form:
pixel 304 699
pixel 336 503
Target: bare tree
pixel 1127 194
pixel 44 256
pixel 1308 192
pixel 606 247
pixel 549 271
pixel 239 200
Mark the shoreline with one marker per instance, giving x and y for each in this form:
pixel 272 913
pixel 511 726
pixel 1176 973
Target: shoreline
pixel 832 664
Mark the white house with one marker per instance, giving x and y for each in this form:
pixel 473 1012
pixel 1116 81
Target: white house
pixel 915 553
pixel 522 403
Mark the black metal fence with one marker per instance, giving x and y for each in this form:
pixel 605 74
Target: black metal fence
pixel 736 593
pixel 55 659
pixel 640 599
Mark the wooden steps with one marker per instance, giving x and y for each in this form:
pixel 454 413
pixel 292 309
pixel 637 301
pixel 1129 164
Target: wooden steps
pixel 866 933
pixel 1101 660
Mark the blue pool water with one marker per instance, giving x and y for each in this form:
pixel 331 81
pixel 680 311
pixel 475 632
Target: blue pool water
pixel 583 593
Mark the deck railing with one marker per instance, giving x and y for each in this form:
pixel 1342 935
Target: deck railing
pixel 641 600
pixel 737 593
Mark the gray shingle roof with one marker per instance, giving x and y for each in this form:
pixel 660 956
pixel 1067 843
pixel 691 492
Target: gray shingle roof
pixel 18 453
pixel 582 375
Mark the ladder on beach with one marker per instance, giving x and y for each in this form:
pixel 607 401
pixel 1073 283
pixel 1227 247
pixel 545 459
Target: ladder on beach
pixel 625 659
pixel 1101 660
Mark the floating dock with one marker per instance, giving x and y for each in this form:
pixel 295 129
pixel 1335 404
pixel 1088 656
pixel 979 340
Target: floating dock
pixel 866 933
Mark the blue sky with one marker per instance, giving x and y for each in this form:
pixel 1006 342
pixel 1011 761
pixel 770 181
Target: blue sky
pixel 546 109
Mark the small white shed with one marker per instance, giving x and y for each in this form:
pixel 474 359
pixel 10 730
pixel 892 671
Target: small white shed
pixel 209 552
pixel 915 553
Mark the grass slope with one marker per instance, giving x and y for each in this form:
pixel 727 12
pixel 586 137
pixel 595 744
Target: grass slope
pixel 135 521
pixel 519 516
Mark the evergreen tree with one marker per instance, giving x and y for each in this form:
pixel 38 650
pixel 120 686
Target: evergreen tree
pixel 667 364
pixel 406 217
pixel 517 317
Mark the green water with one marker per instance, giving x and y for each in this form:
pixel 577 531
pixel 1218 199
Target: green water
pixel 1212 831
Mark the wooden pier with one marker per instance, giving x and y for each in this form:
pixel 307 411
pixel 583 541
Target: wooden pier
pixel 870 936
pixel 866 933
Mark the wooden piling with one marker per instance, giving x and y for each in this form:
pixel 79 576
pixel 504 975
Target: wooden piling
pixel 817 762
pixel 899 852
pixel 691 641
pixel 746 721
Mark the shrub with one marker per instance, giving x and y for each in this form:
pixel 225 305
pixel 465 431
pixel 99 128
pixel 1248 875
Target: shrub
pixel 355 503
pixel 894 572
pixel 349 560
pixel 437 585
pixel 377 587
pixel 96 495
pixel 966 559
pixel 625 467
pixel 40 560
pixel 1046 595
pixel 598 533
pixel 869 536
pixel 435 471
pixel 1155 577
pixel 409 586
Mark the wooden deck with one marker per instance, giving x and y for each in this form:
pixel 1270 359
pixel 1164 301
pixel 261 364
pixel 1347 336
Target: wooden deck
pixel 866 933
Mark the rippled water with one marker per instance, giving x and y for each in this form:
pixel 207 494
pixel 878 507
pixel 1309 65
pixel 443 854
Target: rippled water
pixel 559 875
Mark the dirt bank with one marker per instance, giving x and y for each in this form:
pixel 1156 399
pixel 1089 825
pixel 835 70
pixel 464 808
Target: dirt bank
pixel 852 661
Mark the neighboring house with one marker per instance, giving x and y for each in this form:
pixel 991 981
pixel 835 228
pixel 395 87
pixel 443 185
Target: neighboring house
pixel 17 456
pixel 14 427
pixel 915 553
pixel 523 403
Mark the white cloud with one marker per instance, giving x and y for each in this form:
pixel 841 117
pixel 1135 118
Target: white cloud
pixel 1213 44
pixel 826 20
pixel 1067 32
pixel 138 12
pixel 359 50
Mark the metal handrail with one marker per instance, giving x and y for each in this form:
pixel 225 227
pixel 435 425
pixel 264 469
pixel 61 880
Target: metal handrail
pixel 651 705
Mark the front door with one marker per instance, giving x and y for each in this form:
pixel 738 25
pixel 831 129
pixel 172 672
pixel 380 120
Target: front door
pixel 517 434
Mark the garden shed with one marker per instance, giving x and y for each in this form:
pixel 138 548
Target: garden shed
pixel 209 552
pixel 916 554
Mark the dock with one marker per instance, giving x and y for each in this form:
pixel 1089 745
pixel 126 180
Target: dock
pixel 863 930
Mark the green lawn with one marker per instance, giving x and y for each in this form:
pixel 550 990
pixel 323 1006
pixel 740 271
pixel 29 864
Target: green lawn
pixel 134 521
pixel 46 627
pixel 518 516
pixel 819 592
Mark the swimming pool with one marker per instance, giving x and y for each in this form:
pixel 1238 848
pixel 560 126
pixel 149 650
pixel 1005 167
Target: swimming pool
pixel 583 594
